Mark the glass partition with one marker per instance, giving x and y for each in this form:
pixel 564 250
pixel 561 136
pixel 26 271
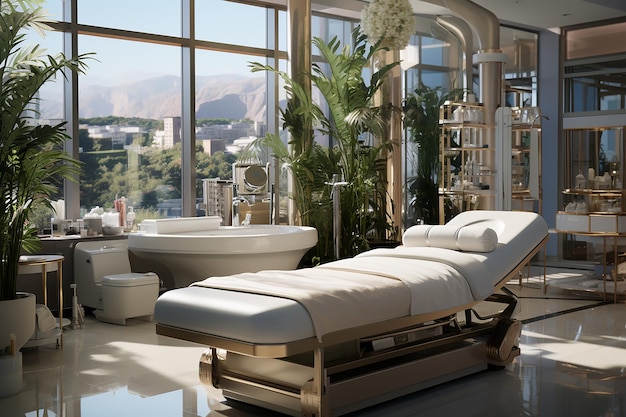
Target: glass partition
pixel 595 158
pixel 595 68
pixel 592 85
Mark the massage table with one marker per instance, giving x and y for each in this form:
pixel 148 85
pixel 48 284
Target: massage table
pixel 352 333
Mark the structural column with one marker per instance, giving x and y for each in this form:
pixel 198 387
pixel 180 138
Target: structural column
pixel 394 162
pixel 300 61
pixel 299 40
pixel 389 99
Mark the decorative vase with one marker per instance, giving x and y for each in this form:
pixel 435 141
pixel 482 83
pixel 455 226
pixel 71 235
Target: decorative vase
pixel 17 318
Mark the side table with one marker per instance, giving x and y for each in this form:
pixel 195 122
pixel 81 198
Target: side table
pixel 30 264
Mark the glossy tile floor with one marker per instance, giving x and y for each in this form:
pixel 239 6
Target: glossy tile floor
pixel 573 364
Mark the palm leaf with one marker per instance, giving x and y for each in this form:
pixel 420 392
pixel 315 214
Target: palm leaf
pixel 32 160
pixel 351 117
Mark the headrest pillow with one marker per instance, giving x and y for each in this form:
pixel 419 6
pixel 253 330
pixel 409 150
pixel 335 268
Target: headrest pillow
pixel 471 238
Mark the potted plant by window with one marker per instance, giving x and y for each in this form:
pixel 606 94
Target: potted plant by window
pixel 421 119
pixel 32 163
pixel 350 122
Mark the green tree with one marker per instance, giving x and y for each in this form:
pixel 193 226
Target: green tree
pixel 141 176
pixel 84 141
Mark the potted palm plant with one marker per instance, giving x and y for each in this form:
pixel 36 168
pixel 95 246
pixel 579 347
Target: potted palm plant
pixel 421 119
pixel 32 159
pixel 350 118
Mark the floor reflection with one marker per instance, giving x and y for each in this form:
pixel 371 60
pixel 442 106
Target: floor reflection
pixel 573 364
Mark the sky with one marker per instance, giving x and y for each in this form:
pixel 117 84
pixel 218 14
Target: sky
pixel 216 21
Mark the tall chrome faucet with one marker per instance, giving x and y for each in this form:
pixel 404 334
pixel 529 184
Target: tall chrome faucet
pixel 235 209
pixel 336 196
pixel 237 200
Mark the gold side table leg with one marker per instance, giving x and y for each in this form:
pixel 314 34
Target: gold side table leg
pixel 44 283
pixel 545 285
pixel 60 284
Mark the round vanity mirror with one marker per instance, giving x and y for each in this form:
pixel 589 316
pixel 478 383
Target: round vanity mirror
pixel 254 178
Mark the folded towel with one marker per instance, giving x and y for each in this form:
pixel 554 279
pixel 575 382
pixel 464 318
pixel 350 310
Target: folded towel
pixel 45 321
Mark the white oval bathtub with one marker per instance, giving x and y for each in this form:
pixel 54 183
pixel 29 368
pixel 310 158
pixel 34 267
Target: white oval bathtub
pixel 193 255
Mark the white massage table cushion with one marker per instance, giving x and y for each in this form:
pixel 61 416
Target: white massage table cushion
pixel 273 319
pixel 471 238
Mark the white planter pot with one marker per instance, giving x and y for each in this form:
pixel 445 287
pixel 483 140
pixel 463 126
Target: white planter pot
pixel 10 374
pixel 17 317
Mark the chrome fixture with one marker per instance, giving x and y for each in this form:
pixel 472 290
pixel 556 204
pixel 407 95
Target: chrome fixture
pixel 237 200
pixel 335 194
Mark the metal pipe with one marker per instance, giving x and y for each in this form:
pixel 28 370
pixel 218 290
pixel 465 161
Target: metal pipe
pixel 482 21
pixel 459 28
pixel 489 56
pixel 490 60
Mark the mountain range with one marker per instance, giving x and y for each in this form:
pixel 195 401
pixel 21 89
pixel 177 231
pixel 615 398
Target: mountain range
pixel 223 96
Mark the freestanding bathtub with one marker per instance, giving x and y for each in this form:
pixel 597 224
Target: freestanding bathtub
pixel 195 248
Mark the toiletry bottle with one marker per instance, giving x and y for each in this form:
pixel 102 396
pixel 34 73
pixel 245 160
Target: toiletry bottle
pixel 580 180
pixel 130 219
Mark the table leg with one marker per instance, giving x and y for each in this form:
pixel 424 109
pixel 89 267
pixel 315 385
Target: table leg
pixel 44 283
pixel 545 255
pixel 60 284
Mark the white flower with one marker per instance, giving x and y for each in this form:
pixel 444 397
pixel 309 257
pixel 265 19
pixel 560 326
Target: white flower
pixel 391 20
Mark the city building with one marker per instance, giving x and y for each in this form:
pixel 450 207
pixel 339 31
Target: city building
pixel 171 132
pixel 213 145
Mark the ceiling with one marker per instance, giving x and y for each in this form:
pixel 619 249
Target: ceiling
pixel 531 14
pixel 548 14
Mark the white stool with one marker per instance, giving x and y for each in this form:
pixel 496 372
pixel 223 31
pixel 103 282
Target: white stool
pixel 126 296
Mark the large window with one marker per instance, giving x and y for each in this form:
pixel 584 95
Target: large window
pixel 125 101
pixel 51 94
pixel 134 137
pixel 433 58
pixel 520 69
pixel 594 85
pixel 162 17
pixel 50 108
pixel 153 62
pixel 231 112
pixel 595 69
pixel 231 23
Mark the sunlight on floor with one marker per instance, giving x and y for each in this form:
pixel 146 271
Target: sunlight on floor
pixel 573 357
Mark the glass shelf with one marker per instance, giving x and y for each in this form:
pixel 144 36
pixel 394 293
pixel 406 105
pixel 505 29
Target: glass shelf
pixel 473 164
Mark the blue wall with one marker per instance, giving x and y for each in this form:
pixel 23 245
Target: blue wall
pixel 549 91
